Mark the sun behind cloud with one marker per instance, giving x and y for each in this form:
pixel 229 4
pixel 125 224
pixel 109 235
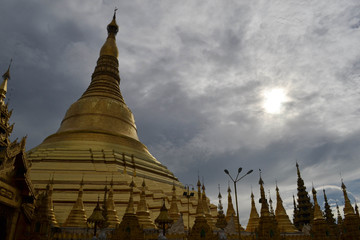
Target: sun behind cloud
pixel 274 99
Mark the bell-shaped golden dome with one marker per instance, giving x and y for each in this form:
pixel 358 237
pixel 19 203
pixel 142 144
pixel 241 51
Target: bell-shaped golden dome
pixel 97 138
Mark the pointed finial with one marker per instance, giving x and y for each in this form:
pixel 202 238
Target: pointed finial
pixel 229 189
pixel 3 86
pixel 343 185
pixel 113 27
pixel 261 182
pixel 219 196
pixel 6 75
pixel 132 184
pixel 294 202
pixel 297 169
pixel 114 17
pixel 82 181
pixel 313 190
pixel 143 183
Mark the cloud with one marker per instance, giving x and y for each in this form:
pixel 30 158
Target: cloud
pixel 193 75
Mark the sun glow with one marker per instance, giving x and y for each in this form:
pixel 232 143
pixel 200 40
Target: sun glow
pixel 273 100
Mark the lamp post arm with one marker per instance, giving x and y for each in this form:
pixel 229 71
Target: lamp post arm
pixel 242 177
pixel 231 178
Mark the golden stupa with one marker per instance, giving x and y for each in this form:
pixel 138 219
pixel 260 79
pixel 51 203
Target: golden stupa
pixel 97 141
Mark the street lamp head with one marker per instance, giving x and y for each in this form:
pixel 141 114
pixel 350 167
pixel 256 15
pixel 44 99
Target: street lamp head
pixel 249 172
pixel 239 170
pixel 226 171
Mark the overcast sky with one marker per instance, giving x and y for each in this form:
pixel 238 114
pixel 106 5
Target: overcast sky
pixel 212 84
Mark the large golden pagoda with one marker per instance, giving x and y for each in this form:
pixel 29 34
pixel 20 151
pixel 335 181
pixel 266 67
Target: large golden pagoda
pixel 97 140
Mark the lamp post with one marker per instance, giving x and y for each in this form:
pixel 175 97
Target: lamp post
pixel 237 179
pixel 188 194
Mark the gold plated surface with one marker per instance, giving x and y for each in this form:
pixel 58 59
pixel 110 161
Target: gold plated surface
pixel 281 216
pixel 253 222
pixel 98 138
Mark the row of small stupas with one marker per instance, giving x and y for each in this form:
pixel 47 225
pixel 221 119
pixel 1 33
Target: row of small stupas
pixel 311 222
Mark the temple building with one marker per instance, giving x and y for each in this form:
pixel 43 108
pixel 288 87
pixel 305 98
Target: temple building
pixel 16 190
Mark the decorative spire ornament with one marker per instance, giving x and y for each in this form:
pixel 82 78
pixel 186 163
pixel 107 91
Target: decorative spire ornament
pixel 3 86
pixel 284 223
pixel 268 228
pixel 230 209
pixel 320 229
pixel 254 216
pixel 304 206
pixel 351 223
pixel 174 210
pixel 142 211
pixel 77 216
pixel 221 221
pixel 112 217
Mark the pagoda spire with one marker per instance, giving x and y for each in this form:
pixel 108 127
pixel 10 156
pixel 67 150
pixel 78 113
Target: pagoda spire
pixel 254 216
pixel 105 79
pixel 304 206
pixel 201 227
pixel 174 210
pixel 43 218
pixel 264 204
pixel 221 221
pixel 199 208
pixel 317 211
pixel 348 209
pixel 320 230
pixel 339 217
pixel 77 216
pixel 142 211
pixel 130 207
pixel 268 228
pixel 271 205
pixel 129 227
pixel 50 189
pixel 230 209
pixel 206 207
pixel 5 128
pixel 3 86
pixel 351 224
pixel 295 213
pixel 329 216
pixel 112 217
pixel 281 216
